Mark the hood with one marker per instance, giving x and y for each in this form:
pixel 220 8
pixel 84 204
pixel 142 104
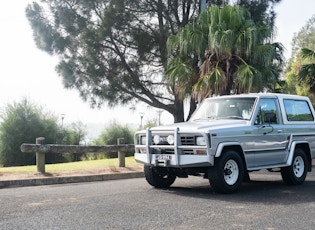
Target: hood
pixel 203 126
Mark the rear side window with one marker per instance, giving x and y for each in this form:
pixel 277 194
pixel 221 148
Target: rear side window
pixel 297 110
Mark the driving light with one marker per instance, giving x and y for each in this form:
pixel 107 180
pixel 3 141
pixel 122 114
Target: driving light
pixel 156 139
pixel 170 139
pixel 200 141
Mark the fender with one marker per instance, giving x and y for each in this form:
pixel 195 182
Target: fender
pixel 291 151
pixel 224 144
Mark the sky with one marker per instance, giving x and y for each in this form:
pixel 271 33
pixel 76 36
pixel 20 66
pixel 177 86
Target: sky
pixel 25 71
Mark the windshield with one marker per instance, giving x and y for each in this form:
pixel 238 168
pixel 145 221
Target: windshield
pixel 225 108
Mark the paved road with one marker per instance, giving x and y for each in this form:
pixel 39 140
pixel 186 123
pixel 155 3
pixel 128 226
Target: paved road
pixel 264 203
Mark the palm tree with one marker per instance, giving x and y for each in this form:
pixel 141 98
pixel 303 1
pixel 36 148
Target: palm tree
pixel 306 71
pixel 235 55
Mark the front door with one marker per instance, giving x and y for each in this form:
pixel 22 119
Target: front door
pixel 271 140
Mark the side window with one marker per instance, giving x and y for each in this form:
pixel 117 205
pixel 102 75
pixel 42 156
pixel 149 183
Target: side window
pixel 268 112
pixel 298 110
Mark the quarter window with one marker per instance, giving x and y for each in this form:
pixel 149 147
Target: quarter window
pixel 298 110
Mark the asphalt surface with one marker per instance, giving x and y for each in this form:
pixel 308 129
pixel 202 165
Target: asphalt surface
pixel 265 203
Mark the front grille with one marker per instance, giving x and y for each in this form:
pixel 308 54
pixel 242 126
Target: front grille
pixel 185 140
pixel 188 152
pixel 188 140
pixel 163 151
pixel 171 151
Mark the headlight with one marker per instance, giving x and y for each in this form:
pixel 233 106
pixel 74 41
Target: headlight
pixel 143 140
pixel 200 141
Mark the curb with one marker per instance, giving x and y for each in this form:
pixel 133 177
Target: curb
pixel 75 179
pixel 69 179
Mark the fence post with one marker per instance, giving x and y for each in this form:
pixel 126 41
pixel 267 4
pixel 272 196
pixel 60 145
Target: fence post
pixel 40 157
pixel 121 155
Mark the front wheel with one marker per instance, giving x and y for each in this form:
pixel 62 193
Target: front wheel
pixel 159 177
pixel 295 174
pixel 228 173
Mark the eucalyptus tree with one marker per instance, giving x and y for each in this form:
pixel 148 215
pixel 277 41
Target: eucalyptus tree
pixel 234 53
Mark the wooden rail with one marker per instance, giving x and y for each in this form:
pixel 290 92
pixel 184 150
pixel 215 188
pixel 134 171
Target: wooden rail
pixel 41 148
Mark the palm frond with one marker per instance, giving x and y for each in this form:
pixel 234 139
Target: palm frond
pixel 214 81
pixel 238 54
pixel 307 54
pixel 245 77
pixel 178 70
pixel 307 73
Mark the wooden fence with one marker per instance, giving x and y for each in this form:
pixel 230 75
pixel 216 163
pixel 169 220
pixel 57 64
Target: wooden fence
pixel 41 149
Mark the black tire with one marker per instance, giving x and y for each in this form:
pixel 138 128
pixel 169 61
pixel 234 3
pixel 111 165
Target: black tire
pixel 295 174
pixel 159 177
pixel 228 173
pixel 246 177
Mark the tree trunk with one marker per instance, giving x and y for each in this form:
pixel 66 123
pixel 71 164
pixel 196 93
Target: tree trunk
pixel 178 110
pixel 192 107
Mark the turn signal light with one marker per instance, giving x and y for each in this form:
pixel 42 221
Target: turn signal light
pixel 200 152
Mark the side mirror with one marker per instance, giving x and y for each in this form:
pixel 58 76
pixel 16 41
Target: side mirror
pixel 270 118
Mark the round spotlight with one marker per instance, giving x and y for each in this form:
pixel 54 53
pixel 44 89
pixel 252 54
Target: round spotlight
pixel 170 139
pixel 156 139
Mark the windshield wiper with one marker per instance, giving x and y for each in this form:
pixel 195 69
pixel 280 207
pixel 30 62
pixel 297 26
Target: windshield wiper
pixel 218 118
pixel 206 118
pixel 233 117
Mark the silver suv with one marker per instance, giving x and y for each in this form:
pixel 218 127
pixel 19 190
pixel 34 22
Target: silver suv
pixel 228 137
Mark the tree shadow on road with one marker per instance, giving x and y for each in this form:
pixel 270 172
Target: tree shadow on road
pixel 255 191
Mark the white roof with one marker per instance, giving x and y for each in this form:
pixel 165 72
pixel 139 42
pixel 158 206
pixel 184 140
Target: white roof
pixel 260 95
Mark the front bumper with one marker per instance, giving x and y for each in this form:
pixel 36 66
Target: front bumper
pixel 179 154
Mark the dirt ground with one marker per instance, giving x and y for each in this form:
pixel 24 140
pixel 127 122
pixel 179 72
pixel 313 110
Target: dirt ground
pixel 99 171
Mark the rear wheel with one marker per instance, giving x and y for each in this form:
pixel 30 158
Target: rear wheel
pixel 295 174
pixel 159 177
pixel 228 173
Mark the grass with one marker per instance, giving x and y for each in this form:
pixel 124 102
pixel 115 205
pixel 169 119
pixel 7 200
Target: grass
pixel 70 167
